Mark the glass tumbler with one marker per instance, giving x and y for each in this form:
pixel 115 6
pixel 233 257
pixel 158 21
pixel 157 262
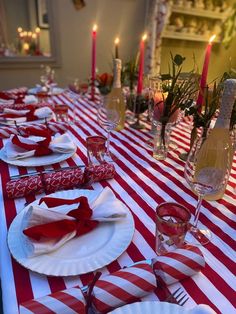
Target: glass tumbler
pixel 172 223
pixel 96 149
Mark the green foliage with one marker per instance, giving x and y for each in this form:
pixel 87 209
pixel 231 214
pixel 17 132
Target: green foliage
pixel 129 74
pixel 180 90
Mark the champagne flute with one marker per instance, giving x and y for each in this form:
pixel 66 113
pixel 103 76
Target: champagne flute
pixel 206 172
pixel 108 115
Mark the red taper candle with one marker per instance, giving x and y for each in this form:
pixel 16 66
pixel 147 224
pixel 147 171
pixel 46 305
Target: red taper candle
pixel 203 81
pixel 141 64
pixel 94 35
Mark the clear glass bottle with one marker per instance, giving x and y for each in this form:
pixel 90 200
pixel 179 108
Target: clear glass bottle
pixel 116 91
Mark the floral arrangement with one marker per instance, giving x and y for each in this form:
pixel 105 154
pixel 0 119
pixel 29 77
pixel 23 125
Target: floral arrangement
pixel 104 83
pixel 178 92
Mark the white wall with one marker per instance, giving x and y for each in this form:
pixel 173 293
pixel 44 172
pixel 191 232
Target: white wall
pixel 113 17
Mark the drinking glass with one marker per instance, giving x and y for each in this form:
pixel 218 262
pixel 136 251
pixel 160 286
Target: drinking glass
pixel 108 117
pixel 172 220
pixel 207 173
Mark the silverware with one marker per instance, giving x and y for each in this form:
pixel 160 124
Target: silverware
pixel 44 171
pixel 178 296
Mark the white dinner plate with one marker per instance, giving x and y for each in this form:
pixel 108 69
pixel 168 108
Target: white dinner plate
pixel 37 90
pixel 36 161
pixel 81 254
pixel 151 307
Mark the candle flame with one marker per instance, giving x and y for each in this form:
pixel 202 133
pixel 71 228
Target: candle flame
pixel 26 46
pixel 37 30
pixel 95 27
pixel 117 40
pixel 19 29
pixel 212 38
pixel 144 37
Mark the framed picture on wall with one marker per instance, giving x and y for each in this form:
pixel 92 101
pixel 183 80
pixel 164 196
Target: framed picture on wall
pixel 42 13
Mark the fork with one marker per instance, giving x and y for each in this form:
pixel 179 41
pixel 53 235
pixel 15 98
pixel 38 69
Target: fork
pixel 178 296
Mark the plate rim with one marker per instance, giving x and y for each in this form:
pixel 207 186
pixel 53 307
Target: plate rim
pixel 131 226
pixel 136 305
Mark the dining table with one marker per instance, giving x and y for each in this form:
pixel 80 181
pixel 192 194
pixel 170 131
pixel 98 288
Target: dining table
pixel 142 183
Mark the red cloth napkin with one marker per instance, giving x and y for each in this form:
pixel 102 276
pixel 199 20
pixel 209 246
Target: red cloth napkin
pixel 30 115
pixel 82 223
pixel 41 148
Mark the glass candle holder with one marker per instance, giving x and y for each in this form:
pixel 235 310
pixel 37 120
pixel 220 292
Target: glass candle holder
pixel 172 221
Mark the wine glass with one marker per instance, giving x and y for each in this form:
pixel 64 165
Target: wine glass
pixel 108 115
pixel 207 172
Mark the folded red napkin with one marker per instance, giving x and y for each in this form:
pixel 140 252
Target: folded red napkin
pixel 18 147
pixel 28 113
pixel 81 225
pixel 32 129
pixel 47 229
pixel 40 148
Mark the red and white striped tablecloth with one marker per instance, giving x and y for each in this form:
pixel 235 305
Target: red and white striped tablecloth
pixel 141 183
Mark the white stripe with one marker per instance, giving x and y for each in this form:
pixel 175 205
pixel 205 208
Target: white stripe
pixel 214 295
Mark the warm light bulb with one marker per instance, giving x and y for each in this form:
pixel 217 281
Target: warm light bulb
pixel 144 37
pixel 117 40
pixel 19 29
pixel 29 34
pixel 34 35
pixel 25 34
pixel 95 27
pixel 26 46
pixel 37 30
pixel 212 38
pixel 21 35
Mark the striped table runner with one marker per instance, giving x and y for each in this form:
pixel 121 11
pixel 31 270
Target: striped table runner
pixel 141 183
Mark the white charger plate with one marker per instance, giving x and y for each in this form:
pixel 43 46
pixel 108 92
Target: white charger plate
pixel 150 307
pixel 55 91
pixel 36 161
pixel 81 254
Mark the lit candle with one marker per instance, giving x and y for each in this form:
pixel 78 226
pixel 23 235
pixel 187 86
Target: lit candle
pixel 117 40
pixel 141 64
pixel 203 81
pixel 94 35
pixel 37 31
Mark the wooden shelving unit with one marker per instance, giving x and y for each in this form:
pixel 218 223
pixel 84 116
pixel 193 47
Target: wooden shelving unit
pixel 198 13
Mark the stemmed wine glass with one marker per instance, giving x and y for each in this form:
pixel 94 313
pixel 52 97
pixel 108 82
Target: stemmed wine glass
pixel 108 115
pixel 207 173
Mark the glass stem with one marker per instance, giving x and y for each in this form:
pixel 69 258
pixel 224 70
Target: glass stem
pixel 108 142
pixel 197 211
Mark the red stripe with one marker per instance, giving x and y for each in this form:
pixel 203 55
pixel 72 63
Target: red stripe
pixel 72 302
pixel 162 267
pixel 37 307
pixel 185 260
pixel 103 307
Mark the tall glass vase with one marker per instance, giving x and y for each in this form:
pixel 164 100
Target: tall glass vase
pixel 162 140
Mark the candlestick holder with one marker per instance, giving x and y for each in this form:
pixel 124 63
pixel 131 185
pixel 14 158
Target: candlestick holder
pixel 137 104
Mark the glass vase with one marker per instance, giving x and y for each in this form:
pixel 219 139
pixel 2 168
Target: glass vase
pixel 162 140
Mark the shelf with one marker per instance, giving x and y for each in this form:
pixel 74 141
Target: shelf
pixel 186 36
pixel 200 12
